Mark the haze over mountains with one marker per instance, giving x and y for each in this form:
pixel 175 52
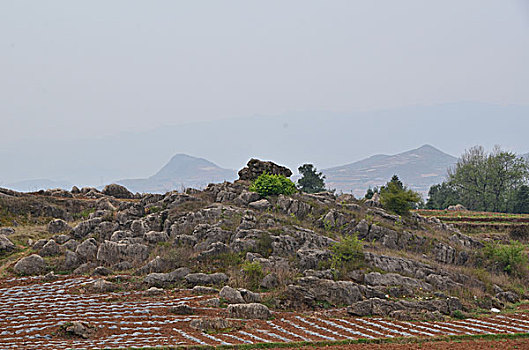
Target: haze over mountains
pixel 324 139
pixel 419 168
pixel 180 172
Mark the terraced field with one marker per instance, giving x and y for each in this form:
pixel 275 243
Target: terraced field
pixel 34 308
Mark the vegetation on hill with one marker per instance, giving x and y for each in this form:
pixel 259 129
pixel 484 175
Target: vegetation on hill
pixel 311 181
pixel 496 181
pixel 272 184
pixel 397 198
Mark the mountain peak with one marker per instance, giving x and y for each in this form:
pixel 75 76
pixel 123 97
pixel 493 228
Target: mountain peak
pixel 420 168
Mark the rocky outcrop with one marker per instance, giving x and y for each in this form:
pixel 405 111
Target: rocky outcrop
pixel 117 191
pixel 249 311
pixel 256 167
pixel 6 245
pixel 51 248
pixel 31 265
pixel 111 253
pixel 78 329
pixel 166 279
pixel 58 226
pixel 196 279
pixel 309 290
pixel 231 295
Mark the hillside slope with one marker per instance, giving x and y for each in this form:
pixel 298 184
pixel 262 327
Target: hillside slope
pixel 419 168
pixel 180 172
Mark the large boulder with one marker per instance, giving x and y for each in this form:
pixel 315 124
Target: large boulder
pixel 117 191
pixel 78 329
pixel 256 167
pixel 381 307
pixel 58 225
pixel 309 290
pixel 30 265
pixel 196 279
pixel 231 295
pixel 51 248
pixel 165 279
pixel 6 245
pixel 111 253
pixel 101 286
pixel 249 311
pixel 87 250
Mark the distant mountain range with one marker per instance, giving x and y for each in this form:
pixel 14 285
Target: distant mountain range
pixel 419 169
pixel 37 184
pixel 182 171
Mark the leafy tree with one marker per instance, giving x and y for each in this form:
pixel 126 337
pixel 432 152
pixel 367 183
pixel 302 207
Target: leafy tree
pixel 397 198
pixel 521 200
pixel 271 184
pixel 488 182
pixel 442 196
pixel 311 181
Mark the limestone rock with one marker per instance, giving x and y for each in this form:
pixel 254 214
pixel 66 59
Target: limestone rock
pixel 58 225
pixel 51 248
pixel 31 265
pixel 256 167
pixel 205 279
pixel 249 311
pixel 231 295
pixel 117 191
pixel 6 245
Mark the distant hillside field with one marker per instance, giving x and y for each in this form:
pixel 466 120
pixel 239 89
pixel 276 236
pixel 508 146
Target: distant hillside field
pixel 419 169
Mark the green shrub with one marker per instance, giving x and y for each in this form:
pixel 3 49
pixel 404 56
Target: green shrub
pixel 347 255
pixel 397 198
pixel 264 245
pixel 510 257
pixel 253 273
pixel 270 184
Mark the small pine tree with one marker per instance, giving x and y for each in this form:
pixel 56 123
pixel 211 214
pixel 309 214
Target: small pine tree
pixel 311 181
pixel 397 198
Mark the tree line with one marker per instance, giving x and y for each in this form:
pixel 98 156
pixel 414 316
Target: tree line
pixel 481 181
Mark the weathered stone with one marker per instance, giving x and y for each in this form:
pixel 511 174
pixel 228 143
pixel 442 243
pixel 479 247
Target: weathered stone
pixel 58 225
pixel 231 295
pixel 71 260
pixel 182 309
pixel 110 253
pixel 61 239
pixel 158 265
pixel 101 286
pixel 166 279
pixel 262 204
pixel 6 245
pixel 201 290
pixel 79 329
pixel 204 279
pixel 85 227
pixel 249 296
pixel 256 167
pixel 117 191
pixel 101 271
pixel 87 250
pixel 247 197
pixel 213 324
pixel 393 279
pixel 312 258
pixel 249 311
pixel 31 265
pixel 154 237
pixel 6 231
pixel 270 281
pixel 51 248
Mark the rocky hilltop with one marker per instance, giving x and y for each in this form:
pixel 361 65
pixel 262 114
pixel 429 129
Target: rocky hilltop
pixel 279 253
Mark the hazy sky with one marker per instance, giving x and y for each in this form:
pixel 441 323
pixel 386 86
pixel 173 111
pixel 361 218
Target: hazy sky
pixel 84 68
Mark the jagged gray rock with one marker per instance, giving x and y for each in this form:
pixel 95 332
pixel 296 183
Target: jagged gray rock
pixel 231 295
pixel 256 167
pixel 6 245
